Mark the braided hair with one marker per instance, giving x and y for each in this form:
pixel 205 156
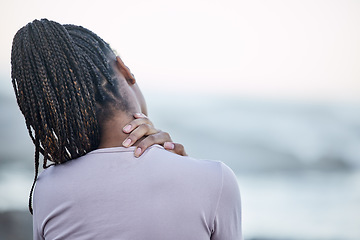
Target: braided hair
pixel 64 84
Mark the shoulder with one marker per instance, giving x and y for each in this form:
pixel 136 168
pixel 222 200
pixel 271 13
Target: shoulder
pixel 229 187
pixel 216 176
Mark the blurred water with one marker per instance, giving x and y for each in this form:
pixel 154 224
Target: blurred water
pixel 263 135
pixel 297 163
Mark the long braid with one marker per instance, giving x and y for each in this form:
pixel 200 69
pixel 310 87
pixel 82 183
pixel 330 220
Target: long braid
pixel 37 156
pixel 63 80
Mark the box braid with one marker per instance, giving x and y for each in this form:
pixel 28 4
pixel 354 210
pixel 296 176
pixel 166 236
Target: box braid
pixel 64 84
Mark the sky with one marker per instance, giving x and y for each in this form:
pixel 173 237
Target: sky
pixel 280 49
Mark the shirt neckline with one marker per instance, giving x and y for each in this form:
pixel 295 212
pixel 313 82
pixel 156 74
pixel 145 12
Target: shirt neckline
pixel 120 149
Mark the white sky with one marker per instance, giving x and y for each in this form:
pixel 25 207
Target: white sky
pixel 306 49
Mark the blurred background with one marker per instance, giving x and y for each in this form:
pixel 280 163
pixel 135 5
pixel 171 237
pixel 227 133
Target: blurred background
pixel 270 87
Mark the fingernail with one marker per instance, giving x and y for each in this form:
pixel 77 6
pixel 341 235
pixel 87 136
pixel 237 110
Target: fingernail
pixel 140 114
pixel 127 142
pixel 137 152
pixel 169 145
pixel 127 128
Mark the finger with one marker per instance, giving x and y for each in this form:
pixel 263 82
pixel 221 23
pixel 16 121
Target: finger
pixel 135 123
pixel 157 138
pixel 139 132
pixel 175 148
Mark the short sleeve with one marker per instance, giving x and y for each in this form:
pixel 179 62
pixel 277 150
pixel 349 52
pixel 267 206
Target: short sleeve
pixel 227 222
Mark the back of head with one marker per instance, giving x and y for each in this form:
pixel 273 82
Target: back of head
pixel 63 80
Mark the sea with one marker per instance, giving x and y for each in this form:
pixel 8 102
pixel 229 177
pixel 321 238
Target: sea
pixel 297 162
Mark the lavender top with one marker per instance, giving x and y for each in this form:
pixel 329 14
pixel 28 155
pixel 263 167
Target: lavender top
pixel 110 194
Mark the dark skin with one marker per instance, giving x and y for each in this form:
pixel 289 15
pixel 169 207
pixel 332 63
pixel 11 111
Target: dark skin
pixel 137 129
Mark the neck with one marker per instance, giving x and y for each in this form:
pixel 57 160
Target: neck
pixel 111 134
